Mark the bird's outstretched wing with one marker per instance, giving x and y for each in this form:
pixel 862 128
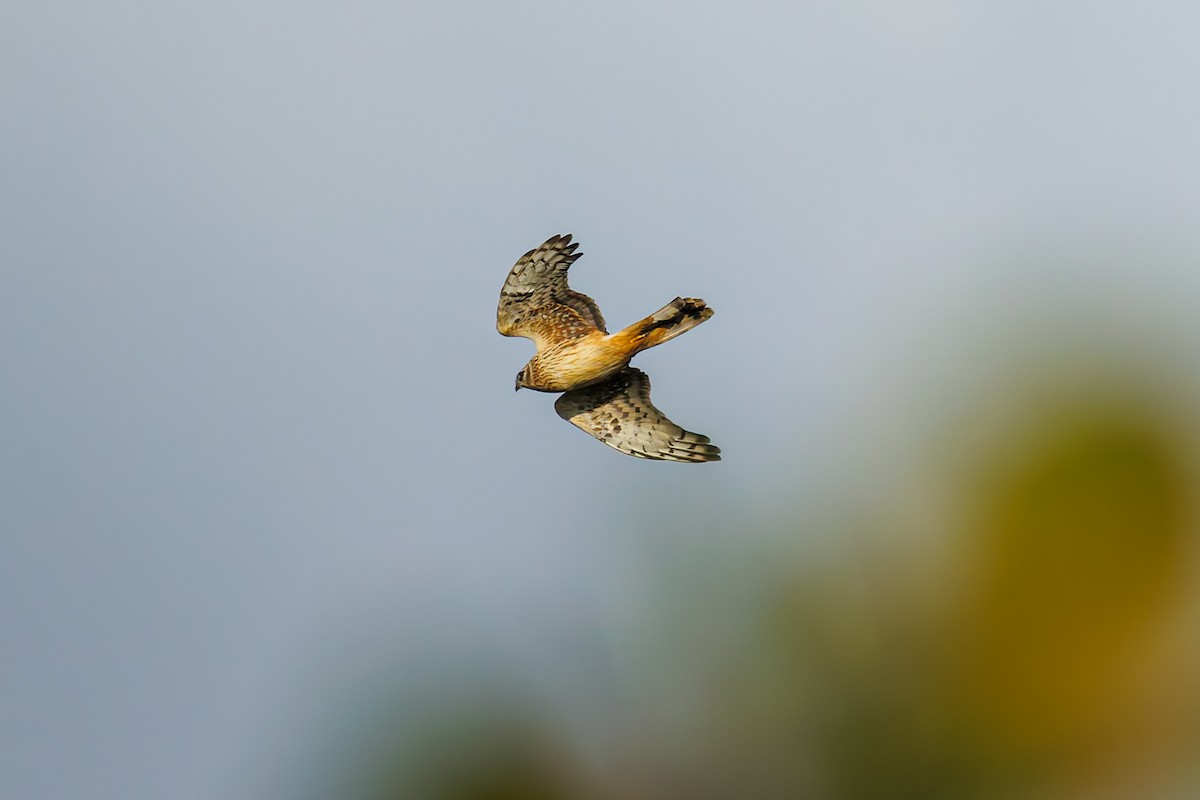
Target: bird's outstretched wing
pixel 537 303
pixel 619 413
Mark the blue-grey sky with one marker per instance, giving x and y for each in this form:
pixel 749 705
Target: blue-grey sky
pixel 252 394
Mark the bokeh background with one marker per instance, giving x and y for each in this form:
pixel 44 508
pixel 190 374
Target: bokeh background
pixel 274 525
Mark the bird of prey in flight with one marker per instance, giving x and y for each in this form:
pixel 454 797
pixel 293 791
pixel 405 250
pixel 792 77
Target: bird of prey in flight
pixel 603 395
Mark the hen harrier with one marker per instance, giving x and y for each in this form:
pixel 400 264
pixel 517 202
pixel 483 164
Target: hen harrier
pixel 604 396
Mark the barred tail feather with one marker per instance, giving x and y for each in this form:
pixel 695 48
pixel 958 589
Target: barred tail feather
pixel 677 317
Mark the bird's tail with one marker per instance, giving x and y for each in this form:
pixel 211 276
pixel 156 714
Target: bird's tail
pixel 676 317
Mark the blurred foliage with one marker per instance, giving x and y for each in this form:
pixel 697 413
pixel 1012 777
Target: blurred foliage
pixel 1036 647
pixel 500 759
pixel 1079 555
pixel 1073 548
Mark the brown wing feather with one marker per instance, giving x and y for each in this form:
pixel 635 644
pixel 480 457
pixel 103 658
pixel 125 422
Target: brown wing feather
pixel 536 301
pixel 619 413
